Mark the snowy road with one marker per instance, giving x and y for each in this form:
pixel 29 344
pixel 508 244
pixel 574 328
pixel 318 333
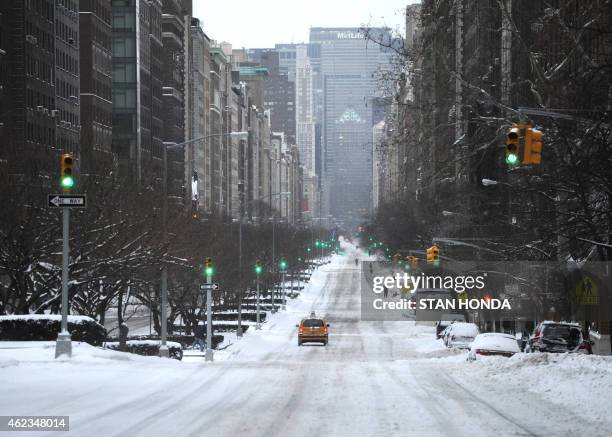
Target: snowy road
pixel 374 378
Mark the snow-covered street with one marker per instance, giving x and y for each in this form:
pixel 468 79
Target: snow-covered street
pixel 374 378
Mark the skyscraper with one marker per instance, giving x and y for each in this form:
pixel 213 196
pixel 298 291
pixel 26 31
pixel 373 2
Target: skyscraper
pixel 137 88
pixel 348 69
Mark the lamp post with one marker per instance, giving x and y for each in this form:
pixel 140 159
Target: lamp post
pixel 163 349
pixel 492 183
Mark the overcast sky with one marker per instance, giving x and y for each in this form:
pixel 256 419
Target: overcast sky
pixel 262 23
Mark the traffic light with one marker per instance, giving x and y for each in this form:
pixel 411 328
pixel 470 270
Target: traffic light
pixel 513 138
pixel 414 262
pixel 436 255
pixel 66 175
pixel 283 264
pixel 258 267
pixel 533 146
pixel 433 255
pixel 209 268
pixel 317 243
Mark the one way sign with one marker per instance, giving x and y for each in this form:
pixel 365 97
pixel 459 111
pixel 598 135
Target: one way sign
pixel 212 286
pixel 67 200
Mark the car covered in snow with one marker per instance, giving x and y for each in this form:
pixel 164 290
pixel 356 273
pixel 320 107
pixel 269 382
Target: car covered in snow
pixel 313 329
pixel 460 335
pixel 557 337
pixel 493 344
pixel 446 320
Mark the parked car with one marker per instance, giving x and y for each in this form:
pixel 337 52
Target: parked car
pixel 445 320
pixel 460 335
pixel 557 337
pixel 443 333
pixel 493 343
pixel 313 329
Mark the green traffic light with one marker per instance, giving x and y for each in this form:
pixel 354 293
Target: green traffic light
pixel 209 271
pixel 67 182
pixel 258 269
pixel 511 159
pixel 283 264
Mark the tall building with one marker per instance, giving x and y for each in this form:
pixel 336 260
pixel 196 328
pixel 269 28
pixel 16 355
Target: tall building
pixel 137 89
pixel 348 68
pixel 176 21
pixel 40 83
pixel 304 109
pixel 96 82
pixel 287 55
pixel 279 90
pixel 199 119
pixel 306 131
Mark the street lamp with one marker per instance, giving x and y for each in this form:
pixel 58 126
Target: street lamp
pixel 492 183
pixel 163 349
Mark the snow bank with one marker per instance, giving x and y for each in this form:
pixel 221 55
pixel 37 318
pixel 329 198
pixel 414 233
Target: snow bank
pixel 56 317
pixel 563 379
pixel 26 353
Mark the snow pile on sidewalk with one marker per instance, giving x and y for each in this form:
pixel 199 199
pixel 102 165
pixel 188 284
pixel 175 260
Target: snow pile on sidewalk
pixel 25 353
pixel 563 379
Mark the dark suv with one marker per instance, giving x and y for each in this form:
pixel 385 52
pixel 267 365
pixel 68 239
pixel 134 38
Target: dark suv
pixel 556 337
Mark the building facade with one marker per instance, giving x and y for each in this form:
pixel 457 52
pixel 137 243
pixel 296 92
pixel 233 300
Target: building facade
pixel 349 64
pixel 96 84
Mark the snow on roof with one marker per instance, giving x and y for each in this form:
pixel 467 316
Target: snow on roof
pixel 551 322
pixel 464 329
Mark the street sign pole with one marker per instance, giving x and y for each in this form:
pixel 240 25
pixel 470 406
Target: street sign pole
pixel 257 324
pixel 209 351
pixel 63 345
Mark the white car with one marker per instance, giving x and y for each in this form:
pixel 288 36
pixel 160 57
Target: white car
pixel 460 335
pixel 493 343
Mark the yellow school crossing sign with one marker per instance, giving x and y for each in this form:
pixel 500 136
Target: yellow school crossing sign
pixel 587 292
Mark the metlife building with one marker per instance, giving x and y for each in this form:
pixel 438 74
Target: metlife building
pixel 346 93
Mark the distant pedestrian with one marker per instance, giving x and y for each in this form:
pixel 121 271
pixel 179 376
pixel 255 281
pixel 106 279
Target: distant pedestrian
pixel 123 336
pixel 198 336
pixel 385 291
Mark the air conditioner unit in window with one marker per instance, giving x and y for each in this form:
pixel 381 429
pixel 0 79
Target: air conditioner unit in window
pixel 54 112
pixel 39 108
pixel 32 39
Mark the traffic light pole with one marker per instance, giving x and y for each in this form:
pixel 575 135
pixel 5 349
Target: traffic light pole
pixel 239 327
pixel 163 348
pixel 63 345
pixel 209 351
pixel 258 323
pixel 284 293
